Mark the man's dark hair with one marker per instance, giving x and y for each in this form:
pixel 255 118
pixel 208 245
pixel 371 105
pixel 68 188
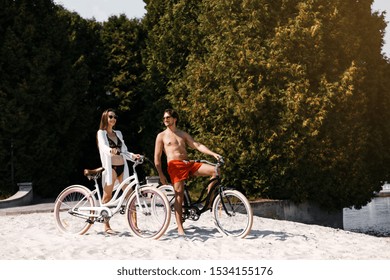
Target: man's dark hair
pixel 173 114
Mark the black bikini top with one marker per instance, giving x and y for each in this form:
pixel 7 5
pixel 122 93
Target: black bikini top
pixel 112 144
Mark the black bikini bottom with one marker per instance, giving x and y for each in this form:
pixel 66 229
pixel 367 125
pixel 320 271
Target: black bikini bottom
pixel 118 169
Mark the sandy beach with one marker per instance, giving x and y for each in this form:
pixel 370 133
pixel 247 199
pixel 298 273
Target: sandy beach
pixel 34 236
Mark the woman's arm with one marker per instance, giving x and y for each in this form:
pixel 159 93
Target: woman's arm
pixel 103 142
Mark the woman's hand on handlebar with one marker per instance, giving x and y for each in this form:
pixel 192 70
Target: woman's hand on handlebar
pixel 137 157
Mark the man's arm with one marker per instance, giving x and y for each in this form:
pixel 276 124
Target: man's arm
pixel 199 146
pixel 158 149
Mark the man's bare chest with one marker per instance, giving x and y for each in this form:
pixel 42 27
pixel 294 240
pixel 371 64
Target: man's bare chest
pixel 173 141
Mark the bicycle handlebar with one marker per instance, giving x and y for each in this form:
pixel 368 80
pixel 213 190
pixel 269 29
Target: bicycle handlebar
pixel 141 159
pixel 219 163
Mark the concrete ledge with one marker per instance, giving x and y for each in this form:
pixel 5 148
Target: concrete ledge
pixel 46 207
pixel 306 213
pixel 23 197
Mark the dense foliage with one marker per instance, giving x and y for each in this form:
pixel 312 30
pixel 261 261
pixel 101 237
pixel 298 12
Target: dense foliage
pixel 288 91
pixel 44 90
pixel 293 93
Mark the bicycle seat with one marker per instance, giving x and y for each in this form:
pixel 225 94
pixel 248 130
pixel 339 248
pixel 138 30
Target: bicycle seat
pixel 93 173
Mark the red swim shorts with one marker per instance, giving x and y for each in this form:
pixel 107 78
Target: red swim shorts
pixel 180 170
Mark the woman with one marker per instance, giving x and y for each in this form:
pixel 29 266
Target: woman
pixel 113 155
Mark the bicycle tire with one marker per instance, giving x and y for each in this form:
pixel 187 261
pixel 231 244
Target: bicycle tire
pixel 150 218
pixel 237 219
pixel 68 219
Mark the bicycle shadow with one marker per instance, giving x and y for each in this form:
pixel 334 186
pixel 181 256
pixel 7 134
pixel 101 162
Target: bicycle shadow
pixel 202 234
pixel 276 235
pixel 193 233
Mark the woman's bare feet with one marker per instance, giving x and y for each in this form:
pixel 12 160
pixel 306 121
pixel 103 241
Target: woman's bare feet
pixel 108 229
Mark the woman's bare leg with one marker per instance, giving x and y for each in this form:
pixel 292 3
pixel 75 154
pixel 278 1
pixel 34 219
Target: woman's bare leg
pixel 107 195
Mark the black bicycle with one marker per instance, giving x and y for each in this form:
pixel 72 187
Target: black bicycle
pixel 231 210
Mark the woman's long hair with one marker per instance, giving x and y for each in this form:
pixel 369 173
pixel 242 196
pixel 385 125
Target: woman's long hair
pixel 104 122
pixel 104 119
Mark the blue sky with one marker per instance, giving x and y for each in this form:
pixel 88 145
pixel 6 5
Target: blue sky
pixel 101 10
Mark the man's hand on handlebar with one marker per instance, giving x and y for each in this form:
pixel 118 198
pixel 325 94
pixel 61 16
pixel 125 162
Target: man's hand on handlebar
pixel 219 158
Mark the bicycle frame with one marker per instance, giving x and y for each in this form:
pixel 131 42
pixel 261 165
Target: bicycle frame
pixel 116 201
pixel 202 198
pixel 188 204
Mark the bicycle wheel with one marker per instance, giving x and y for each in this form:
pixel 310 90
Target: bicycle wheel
pixel 68 217
pixel 232 214
pixel 148 214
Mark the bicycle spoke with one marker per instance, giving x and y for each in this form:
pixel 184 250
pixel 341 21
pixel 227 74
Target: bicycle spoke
pixel 149 215
pixel 232 214
pixel 68 219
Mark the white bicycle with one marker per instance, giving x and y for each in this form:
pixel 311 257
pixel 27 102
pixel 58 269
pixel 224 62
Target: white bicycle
pixel 147 209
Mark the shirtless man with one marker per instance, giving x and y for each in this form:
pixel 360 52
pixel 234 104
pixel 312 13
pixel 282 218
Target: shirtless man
pixel 174 142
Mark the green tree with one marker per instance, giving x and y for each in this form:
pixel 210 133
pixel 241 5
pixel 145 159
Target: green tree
pixel 353 151
pixel 172 34
pixel 282 90
pixel 44 89
pixel 123 41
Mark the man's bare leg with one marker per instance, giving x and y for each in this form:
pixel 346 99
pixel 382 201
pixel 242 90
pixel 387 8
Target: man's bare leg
pixel 179 197
pixel 207 170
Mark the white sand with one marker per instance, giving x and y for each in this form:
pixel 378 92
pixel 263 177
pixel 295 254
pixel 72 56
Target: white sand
pixel 35 237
